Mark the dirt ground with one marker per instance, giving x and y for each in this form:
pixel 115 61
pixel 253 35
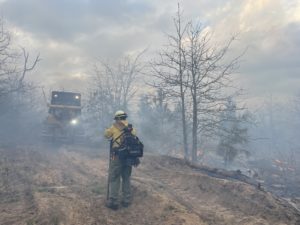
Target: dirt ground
pixel 66 185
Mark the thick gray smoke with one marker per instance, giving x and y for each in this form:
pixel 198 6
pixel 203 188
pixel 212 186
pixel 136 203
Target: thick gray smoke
pixel 20 118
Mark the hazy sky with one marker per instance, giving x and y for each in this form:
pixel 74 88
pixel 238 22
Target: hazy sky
pixel 71 34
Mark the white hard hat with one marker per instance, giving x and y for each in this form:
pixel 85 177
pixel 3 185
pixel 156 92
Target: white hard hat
pixel 119 114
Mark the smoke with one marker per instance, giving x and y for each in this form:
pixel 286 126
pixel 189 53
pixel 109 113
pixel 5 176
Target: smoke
pixel 20 118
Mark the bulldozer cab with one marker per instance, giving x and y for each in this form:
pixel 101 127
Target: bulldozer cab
pixel 65 98
pixel 65 106
pixel 63 120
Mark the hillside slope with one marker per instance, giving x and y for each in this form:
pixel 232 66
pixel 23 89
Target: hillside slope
pixel 67 185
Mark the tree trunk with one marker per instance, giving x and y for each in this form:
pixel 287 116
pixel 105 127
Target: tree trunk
pixel 183 118
pixel 182 92
pixel 195 128
pixel 194 93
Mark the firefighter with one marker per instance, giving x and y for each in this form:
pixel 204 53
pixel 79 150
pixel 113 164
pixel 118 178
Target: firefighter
pixel 119 170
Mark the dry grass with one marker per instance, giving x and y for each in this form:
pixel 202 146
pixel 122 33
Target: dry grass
pixel 68 186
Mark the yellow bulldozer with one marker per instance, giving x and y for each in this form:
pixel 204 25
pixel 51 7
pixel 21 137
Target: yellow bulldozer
pixel 63 121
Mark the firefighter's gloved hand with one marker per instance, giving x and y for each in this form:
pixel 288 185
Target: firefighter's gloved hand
pixel 136 162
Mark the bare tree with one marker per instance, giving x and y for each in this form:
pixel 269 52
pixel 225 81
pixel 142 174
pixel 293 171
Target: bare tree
pixel 15 91
pixel 209 76
pixel 12 70
pixel 170 72
pixel 114 86
pixel 193 70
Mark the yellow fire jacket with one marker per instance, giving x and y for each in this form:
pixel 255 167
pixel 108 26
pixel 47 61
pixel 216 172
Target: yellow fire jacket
pixel 116 130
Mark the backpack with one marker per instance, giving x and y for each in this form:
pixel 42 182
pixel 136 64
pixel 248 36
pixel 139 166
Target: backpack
pixel 130 145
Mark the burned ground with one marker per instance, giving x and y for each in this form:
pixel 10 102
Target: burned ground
pixel 67 185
